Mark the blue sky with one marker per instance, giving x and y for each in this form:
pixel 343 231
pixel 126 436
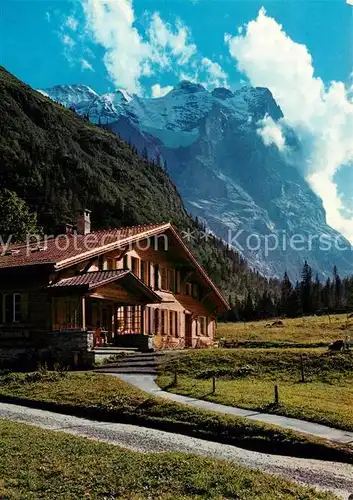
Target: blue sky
pixel 302 50
pixel 33 49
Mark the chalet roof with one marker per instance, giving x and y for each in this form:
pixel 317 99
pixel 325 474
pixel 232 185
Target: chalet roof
pixel 95 279
pixel 65 248
pixel 92 279
pixel 68 250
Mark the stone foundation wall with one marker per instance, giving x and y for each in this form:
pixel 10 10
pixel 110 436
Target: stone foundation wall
pixel 72 348
pixel 22 349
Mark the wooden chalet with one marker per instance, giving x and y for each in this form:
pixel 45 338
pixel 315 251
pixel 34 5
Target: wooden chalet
pixel 129 287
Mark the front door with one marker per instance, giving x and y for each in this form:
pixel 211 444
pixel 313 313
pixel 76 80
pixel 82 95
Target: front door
pixel 188 330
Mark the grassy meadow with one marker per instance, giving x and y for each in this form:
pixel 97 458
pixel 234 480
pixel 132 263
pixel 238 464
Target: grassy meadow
pixel 246 378
pixel 101 397
pixel 41 465
pixel 307 330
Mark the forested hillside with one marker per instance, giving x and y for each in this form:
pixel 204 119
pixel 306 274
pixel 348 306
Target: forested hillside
pixel 59 163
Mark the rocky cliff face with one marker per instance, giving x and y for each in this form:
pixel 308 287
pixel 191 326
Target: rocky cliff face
pixel 245 191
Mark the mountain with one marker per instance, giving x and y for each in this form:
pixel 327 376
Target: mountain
pixel 60 163
pixel 245 191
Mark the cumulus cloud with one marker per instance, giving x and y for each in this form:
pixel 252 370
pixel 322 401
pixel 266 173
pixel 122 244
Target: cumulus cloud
pixel 132 53
pixel 129 54
pixel 111 24
pixel 322 116
pixel 158 91
pixel 216 77
pixel 271 133
pixel 165 39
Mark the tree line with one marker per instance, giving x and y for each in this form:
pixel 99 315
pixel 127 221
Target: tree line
pixel 306 297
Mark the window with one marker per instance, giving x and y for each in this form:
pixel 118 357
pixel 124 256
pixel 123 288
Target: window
pixel 129 319
pixel 14 308
pixel 156 277
pixel 164 278
pixel 163 325
pixel 167 279
pixel 171 280
pixel 197 327
pixel 203 325
pixel 110 263
pixel 72 314
pixel 156 321
pixel 173 323
pixel 125 262
pixel 135 266
pixel 145 272
pixel 101 262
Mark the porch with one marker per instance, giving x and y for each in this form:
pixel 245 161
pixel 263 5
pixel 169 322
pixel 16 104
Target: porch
pixel 112 313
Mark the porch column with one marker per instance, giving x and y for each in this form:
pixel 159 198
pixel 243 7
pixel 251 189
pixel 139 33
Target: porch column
pixel 115 320
pixel 142 319
pixel 83 310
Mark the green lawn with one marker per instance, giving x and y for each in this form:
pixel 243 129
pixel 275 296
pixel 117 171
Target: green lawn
pixel 107 398
pixel 37 464
pixel 305 331
pixel 246 378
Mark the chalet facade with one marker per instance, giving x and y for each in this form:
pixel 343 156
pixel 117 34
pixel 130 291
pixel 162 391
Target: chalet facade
pixel 129 287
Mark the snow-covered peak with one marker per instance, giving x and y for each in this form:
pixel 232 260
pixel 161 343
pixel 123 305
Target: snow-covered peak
pixel 175 118
pixel 70 95
pixel 126 95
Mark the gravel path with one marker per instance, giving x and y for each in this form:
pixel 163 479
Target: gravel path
pixel 147 383
pixel 332 476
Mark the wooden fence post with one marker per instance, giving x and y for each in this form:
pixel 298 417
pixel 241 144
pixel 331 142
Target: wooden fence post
pixel 276 395
pixel 302 369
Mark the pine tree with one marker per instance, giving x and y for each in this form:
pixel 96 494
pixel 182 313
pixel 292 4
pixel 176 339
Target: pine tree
pixel 350 295
pixel 306 284
pixel 248 310
pixel 286 293
pixel 337 290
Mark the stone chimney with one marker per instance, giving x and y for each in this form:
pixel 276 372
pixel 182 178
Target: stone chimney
pixel 84 222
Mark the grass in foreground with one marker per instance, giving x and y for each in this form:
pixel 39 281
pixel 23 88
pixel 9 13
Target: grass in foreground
pixel 38 464
pixel 107 398
pixel 246 378
pixel 306 330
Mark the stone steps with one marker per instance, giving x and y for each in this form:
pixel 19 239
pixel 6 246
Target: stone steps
pixel 129 370
pixel 139 362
